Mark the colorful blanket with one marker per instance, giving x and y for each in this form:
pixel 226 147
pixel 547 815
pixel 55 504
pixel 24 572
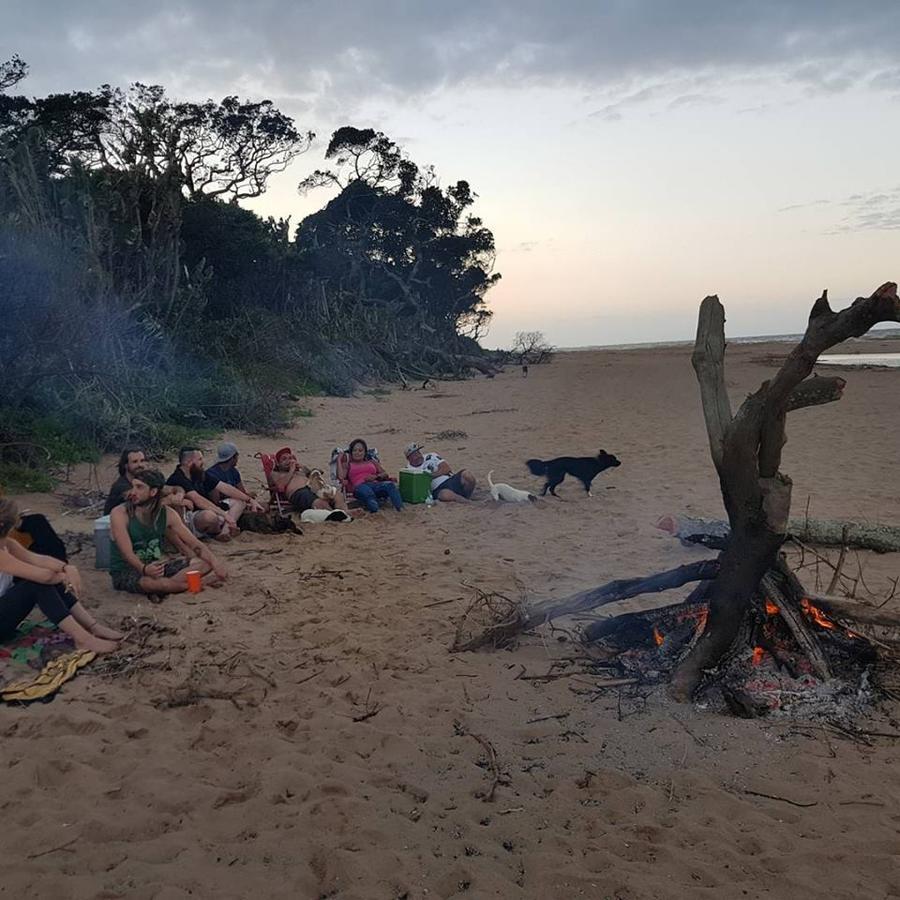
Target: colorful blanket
pixel 37 662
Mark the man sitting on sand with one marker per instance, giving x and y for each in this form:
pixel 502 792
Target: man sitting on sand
pixel 225 468
pixel 131 462
pixel 206 492
pixel 445 484
pixel 291 480
pixel 139 529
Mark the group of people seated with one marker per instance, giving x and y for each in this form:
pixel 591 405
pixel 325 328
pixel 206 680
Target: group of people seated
pixel 159 527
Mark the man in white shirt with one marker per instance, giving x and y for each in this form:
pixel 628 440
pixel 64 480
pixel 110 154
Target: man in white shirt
pixel 445 484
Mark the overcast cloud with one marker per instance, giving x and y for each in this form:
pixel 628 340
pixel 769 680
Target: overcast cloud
pixel 312 49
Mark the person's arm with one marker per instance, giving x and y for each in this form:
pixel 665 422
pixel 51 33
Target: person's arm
pixel 443 468
pixel 235 493
pixel 179 534
pixel 200 502
pixel 118 526
pixel 39 560
pixel 12 563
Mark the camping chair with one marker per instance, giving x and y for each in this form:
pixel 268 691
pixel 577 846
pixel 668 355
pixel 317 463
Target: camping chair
pixel 340 464
pixel 277 498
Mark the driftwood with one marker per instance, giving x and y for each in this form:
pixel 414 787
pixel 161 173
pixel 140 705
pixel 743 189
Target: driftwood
pixel 746 449
pixel 824 532
pixel 545 610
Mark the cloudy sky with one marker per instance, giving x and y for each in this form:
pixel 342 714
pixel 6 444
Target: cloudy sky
pixel 631 156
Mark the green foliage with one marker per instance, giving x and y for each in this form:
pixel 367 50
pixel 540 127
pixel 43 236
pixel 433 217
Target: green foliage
pixel 16 478
pixel 138 306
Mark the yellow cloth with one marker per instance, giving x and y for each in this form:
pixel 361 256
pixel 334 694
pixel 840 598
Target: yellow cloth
pixel 49 680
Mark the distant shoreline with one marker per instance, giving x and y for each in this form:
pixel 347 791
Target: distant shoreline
pixel 880 334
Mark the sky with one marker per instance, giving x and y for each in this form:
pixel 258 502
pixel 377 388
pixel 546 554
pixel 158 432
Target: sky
pixel 630 156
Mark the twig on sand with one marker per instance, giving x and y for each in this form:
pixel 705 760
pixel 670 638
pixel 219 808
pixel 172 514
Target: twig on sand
pixel 54 849
pixel 369 710
pixel 493 764
pixel 782 799
pixel 546 718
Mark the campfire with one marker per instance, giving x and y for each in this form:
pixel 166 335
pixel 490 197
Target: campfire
pixel 792 655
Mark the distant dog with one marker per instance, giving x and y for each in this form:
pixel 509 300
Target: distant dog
pixel 319 486
pixel 508 493
pixel 584 468
pixel 325 515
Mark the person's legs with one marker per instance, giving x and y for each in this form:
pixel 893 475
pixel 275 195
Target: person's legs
pixel 85 619
pixel 468 482
pixel 453 490
pixel 15 605
pixel 235 508
pixel 57 607
pixel 205 523
pixel 365 493
pixel 388 490
pixel 174 580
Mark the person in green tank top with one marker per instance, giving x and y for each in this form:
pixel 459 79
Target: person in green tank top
pixel 140 528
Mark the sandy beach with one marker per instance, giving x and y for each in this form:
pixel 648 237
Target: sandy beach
pixel 304 732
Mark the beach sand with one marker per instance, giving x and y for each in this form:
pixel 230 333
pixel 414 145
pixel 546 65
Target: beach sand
pixel 346 764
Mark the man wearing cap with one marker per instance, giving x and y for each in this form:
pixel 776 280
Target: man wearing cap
pixel 445 484
pixel 209 496
pixel 225 468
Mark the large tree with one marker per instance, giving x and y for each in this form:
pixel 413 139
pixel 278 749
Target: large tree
pixel 394 240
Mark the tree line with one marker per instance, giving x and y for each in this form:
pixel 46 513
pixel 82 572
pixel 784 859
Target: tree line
pixel 140 301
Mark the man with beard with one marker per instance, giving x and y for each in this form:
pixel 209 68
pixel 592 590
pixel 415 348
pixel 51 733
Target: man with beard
pixel 217 505
pixel 139 529
pixel 131 462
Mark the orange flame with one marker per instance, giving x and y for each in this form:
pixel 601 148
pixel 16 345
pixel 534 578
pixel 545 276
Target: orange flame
pixel 657 637
pixel 758 654
pixel 771 608
pixel 816 614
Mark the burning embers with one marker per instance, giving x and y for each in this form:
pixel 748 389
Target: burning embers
pixel 788 653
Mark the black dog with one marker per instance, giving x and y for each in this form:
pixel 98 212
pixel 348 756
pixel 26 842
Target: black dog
pixel 584 468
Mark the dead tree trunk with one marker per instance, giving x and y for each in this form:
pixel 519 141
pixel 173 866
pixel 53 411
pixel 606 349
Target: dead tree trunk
pixel 746 451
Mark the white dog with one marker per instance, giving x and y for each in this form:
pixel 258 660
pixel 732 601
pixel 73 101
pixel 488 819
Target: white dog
pixel 508 493
pixel 325 515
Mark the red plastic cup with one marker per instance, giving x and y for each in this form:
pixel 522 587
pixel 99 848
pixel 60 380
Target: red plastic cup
pixel 193 581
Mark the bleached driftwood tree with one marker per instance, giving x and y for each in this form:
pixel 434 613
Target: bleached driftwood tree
pixel 746 450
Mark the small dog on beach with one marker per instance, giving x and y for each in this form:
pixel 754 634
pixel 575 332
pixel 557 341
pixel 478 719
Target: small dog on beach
pixel 508 493
pixel 317 516
pixel 319 486
pixel 584 468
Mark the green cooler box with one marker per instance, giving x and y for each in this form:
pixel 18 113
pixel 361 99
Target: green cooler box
pixel 415 487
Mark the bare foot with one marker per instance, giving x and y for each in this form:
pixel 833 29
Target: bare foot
pixel 102 631
pixel 98 645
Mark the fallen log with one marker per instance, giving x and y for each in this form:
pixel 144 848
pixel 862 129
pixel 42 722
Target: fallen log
pixel 824 532
pixel 545 610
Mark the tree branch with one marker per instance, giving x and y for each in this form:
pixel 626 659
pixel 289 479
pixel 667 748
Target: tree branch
pixel 708 360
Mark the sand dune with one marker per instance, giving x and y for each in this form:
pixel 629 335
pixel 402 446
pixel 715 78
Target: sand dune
pixel 304 732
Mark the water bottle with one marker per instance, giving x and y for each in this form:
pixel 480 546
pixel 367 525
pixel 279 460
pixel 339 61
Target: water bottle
pixel 429 500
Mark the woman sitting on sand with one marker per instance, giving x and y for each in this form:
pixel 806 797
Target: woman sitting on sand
pixel 367 479
pixel 28 579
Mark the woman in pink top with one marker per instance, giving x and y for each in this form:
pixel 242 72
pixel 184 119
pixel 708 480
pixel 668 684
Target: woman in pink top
pixel 369 481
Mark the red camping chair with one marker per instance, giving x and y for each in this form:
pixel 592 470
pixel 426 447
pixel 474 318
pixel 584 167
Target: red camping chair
pixel 276 496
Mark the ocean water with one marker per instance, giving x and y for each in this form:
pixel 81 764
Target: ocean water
pixel 885 360
pixel 879 334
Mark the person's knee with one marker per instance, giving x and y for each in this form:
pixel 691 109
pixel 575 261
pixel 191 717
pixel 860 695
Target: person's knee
pixel 207 522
